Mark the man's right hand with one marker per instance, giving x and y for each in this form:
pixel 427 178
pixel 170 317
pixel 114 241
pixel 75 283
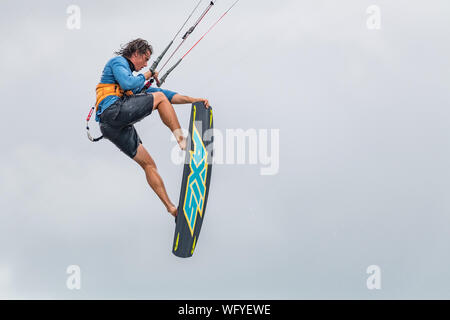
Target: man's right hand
pixel 155 75
pixel 149 74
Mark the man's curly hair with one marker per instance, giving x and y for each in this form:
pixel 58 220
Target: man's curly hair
pixel 139 45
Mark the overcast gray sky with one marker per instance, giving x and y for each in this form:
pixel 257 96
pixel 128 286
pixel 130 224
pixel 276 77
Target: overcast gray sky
pixel 363 178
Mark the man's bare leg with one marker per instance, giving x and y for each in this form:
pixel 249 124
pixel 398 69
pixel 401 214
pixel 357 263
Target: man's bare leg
pixel 169 117
pixel 155 181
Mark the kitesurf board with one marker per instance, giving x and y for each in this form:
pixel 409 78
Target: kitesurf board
pixel 196 180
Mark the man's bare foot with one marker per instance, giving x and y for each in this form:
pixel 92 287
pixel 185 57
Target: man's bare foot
pixel 178 133
pixel 173 211
pixel 182 142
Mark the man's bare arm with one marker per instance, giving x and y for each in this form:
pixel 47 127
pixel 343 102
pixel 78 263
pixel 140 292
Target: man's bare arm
pixel 180 99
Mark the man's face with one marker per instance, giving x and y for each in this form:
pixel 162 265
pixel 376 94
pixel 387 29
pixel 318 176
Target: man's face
pixel 141 60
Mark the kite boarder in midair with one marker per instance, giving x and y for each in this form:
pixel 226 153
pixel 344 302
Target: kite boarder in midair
pixel 120 104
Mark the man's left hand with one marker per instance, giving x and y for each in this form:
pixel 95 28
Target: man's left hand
pixel 205 102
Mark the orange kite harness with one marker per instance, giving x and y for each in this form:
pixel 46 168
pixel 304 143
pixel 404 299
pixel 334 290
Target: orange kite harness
pixel 104 90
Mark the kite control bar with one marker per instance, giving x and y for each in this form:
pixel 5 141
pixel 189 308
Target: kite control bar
pixel 158 60
pixel 163 79
pixel 185 36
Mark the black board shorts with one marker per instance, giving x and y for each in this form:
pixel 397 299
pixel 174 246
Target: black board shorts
pixel 117 121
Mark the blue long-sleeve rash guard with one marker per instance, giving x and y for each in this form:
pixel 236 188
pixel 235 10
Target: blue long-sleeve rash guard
pixel 119 70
